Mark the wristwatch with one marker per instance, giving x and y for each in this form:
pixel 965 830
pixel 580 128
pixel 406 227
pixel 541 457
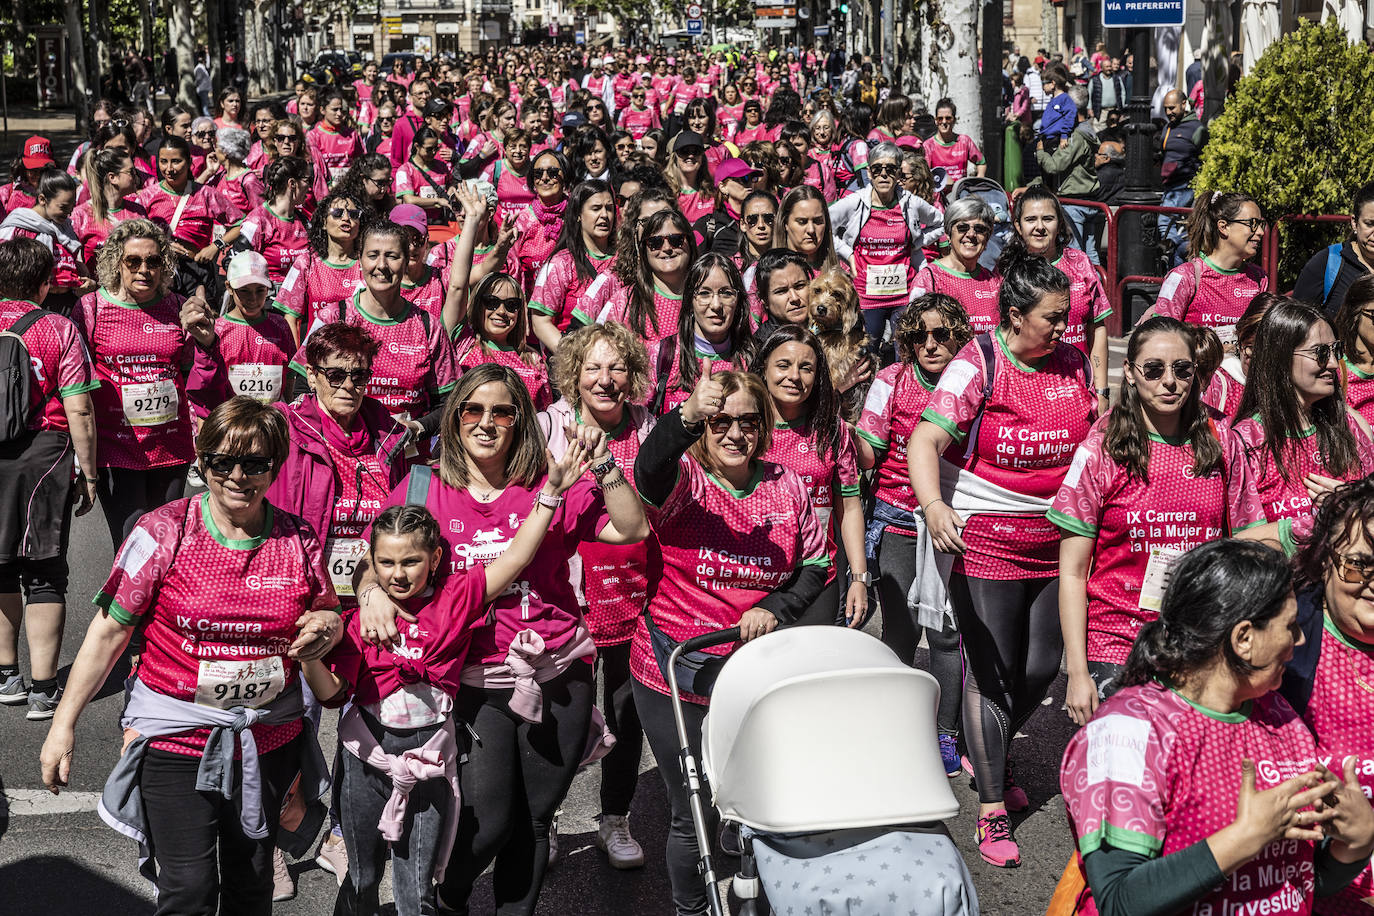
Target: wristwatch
pixel 867 578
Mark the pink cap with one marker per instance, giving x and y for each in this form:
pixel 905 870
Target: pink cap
pixel 410 216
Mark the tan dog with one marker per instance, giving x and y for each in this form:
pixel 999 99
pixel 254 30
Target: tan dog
pixel 835 319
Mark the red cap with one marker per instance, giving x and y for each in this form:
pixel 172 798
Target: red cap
pixel 37 152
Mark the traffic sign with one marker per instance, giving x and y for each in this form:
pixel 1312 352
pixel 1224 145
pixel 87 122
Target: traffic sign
pixel 1130 14
pixel 694 11
pixel 693 26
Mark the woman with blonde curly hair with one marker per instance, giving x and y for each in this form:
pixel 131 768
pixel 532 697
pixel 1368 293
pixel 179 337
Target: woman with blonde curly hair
pixel 603 371
pixel 152 350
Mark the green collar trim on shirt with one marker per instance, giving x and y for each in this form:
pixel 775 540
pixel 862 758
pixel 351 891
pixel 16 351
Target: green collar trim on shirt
pixel 429 273
pixel 702 354
pixel 344 265
pixel 504 348
pixel 1006 351
pixel 594 256
pixel 1168 440
pixel 1330 626
pixel 244 321
pixel 1221 270
pixel 109 297
pixel 378 321
pixel 1239 715
pixel 952 272
pixel 1356 370
pixel 610 433
pixel 920 376
pixel 800 424
pixel 190 188
pixel 754 481
pixel 231 543
pixel 658 288
pixel 276 215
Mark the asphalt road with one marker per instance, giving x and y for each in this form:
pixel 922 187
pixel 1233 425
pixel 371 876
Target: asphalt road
pixel 57 857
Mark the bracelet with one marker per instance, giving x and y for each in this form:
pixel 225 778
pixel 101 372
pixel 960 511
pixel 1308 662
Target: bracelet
pixel 362 596
pixel 547 501
pixel 926 507
pixel 605 467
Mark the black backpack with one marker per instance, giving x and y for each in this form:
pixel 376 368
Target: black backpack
pixel 15 370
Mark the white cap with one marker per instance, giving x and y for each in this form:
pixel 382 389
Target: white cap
pixel 247 268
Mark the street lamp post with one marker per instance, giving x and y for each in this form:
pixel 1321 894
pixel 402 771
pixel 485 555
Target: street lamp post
pixel 1137 251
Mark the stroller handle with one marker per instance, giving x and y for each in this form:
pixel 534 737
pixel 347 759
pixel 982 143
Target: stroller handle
pixel 708 640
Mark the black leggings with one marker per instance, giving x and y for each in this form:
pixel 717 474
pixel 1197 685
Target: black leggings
pixel 1012 648
pixel 896 565
pixel 205 864
pixel 828 608
pixel 620 767
pixel 513 782
pixel 656 712
pixel 126 494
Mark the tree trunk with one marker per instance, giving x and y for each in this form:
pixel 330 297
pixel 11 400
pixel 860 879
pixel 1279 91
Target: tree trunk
pixel 949 61
pixel 182 37
pixel 1049 26
pixel 76 50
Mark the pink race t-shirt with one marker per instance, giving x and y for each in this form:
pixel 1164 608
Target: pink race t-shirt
pixel 1226 388
pixel 663 322
pixel 531 368
pixel 474 532
pixel 559 291
pixel 314 284
pixel 957 157
pixel 537 228
pixel 59 366
pixel 244 192
pixel 205 208
pixel 896 399
pixel 1030 427
pixel 93 233
pixel 513 194
pixel 1130 520
pixel 65 272
pixel 721 551
pixel 696 204
pixel 427 293
pixel 828 477
pixel 1088 301
pixel 1359 391
pixel 1285 496
pixel 141 357
pixel 976 292
pixel 639 121
pixel 1154 774
pixel 883 254
pixel 1200 292
pixel 338 148
pixel 204 598
pixel 278 240
pixel 255 355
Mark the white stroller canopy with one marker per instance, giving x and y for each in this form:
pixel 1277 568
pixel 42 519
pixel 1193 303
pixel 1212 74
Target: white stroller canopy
pixel 823 728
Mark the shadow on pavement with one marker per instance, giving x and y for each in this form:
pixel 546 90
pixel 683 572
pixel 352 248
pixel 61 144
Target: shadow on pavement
pixel 43 885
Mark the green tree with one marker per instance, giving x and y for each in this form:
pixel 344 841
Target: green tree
pixel 1298 135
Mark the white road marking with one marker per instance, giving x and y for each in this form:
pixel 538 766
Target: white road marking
pixel 19 802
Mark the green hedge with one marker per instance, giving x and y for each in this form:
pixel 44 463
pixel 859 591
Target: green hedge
pixel 1298 135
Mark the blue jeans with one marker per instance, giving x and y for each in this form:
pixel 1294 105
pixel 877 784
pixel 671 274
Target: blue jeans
pixel 1084 220
pixel 1171 227
pixel 876 322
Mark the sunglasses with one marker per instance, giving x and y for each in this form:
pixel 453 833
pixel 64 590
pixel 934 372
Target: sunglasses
pixel 749 423
pixel 691 152
pixel 224 465
pixel 941 334
pixel 287 138
pixel 886 168
pixel 203 133
pixel 1354 570
pixel 754 219
pixel 341 212
pixel 673 241
pixel 975 228
pixel 511 304
pixel 386 118
pixel 336 376
pixel 1323 353
pixel 1153 370
pixel 135 263
pixel 471 413
pixel 554 174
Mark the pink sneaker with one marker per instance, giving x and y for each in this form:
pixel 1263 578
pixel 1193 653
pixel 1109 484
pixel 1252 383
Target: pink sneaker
pixel 995 845
pixel 1013 795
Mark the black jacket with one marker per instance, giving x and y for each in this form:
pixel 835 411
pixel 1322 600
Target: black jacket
pixel 1313 276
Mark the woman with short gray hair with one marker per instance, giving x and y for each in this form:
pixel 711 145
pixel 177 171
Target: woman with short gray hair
pixel 236 181
pixel 880 231
pixel 969 223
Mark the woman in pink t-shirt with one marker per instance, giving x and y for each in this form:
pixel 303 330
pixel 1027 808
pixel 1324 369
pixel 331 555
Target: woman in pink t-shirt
pixel 585 253
pixel 997 551
pixel 1355 329
pixel 928 335
pixel 652 304
pixel 957 273
pixel 491 469
pixel 497 331
pixel 327 272
pixel 1155 478
pixel 230 596
pixel 956 153
pixel 1220 278
pixel 1301 438
pixel 276 228
pixel 1192 790
pixel 689 174
pixel 740 546
pixel 540 222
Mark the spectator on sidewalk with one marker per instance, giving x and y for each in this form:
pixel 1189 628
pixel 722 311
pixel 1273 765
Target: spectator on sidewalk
pixel 1071 170
pixel 204 84
pixel 1061 112
pixel 1106 90
pixel 1111 167
pixel 1182 143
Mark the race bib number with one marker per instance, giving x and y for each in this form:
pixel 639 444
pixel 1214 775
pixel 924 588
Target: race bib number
pixel 885 280
pixel 256 380
pixel 342 556
pixel 254 683
pixel 1156 581
pixel 150 403
pixel 1226 333
pixel 429 193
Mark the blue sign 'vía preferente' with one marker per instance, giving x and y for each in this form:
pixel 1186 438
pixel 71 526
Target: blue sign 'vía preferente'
pixel 1122 14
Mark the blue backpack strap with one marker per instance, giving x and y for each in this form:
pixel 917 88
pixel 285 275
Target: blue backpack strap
pixel 1302 670
pixel 1333 270
pixel 417 489
pixel 985 346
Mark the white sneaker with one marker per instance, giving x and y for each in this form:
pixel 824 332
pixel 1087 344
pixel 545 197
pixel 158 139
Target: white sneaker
pixel 283 885
pixel 553 839
pixel 333 857
pixel 613 838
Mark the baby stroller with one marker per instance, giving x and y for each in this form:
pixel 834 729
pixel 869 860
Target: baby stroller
pixel 992 194
pixel 820 744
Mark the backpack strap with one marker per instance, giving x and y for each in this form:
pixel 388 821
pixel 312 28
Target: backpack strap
pixel 663 366
pixel 417 488
pixel 27 320
pixel 1333 270
pixel 985 347
pixel 1301 670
